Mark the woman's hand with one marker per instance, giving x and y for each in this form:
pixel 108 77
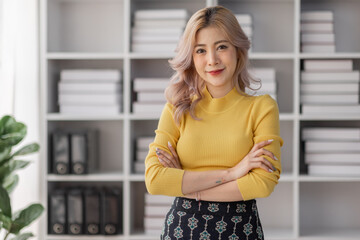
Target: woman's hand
pixel 254 159
pixel 167 160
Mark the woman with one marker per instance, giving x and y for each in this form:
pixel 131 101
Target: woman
pixel 216 148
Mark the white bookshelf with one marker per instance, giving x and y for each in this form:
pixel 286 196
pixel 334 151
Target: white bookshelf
pixel 95 177
pixel 97 33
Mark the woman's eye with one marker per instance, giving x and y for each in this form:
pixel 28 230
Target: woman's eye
pixel 222 47
pixel 200 51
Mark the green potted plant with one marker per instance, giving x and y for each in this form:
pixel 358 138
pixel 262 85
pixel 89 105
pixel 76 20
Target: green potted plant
pixel 11 223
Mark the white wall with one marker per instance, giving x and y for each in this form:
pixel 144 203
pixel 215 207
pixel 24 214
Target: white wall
pixel 19 87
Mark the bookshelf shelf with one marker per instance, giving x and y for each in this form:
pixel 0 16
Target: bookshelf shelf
pixel 149 116
pixel 306 178
pixel 337 55
pixel 287 177
pixel 87 56
pixel 286 116
pixel 97 177
pixel 340 117
pixel 151 55
pixel 331 233
pixel 74 117
pixel 96 34
pixel 63 237
pixel 137 178
pixel 270 56
pixel 279 233
pixel 142 236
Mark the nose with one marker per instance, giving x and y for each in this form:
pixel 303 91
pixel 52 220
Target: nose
pixel 213 58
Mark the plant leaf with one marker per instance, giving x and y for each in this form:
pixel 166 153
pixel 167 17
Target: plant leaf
pixel 8 136
pixel 6 221
pixel 12 132
pixel 23 236
pixel 26 216
pixel 9 139
pixel 9 124
pixel 4 153
pixel 11 166
pixel 5 206
pixel 31 148
pixel 5 122
pixel 11 182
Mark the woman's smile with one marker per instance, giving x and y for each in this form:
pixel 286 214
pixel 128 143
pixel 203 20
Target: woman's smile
pixel 216 72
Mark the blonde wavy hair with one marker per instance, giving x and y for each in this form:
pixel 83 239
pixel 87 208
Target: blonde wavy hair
pixel 185 89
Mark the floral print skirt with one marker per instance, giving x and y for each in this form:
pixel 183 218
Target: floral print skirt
pixel 191 219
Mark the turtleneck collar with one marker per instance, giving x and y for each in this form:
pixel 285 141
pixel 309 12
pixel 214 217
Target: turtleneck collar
pixel 210 104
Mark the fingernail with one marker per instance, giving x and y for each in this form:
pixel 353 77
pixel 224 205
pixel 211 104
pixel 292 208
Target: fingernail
pixel 157 152
pixel 270 170
pixel 169 144
pixel 270 140
pixel 275 158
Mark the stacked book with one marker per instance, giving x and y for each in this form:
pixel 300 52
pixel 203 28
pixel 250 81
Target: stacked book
pixel 158 30
pixel 317 31
pixel 245 21
pixel 150 94
pixel 268 82
pixel 156 208
pixel 142 149
pixel 90 91
pixel 329 86
pixel 332 151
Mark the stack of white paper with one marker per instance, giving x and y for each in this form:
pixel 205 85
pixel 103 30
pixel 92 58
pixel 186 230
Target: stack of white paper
pixel 329 86
pixel 150 95
pixel 142 149
pixel 158 30
pixel 90 91
pixel 332 151
pixel 317 31
pixel 245 21
pixel 268 82
pixel 156 208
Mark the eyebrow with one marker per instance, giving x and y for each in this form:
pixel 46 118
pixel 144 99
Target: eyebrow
pixel 217 42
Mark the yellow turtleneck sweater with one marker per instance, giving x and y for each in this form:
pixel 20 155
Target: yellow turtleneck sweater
pixel 228 129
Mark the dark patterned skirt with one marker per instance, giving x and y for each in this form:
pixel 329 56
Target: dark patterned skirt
pixel 191 219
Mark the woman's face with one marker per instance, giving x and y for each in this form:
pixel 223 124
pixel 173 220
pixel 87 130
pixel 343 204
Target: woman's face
pixel 215 60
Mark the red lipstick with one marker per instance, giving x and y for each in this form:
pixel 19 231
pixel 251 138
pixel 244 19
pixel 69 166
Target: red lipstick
pixel 216 72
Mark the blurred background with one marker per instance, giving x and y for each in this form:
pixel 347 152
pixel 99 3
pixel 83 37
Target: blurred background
pixel 87 78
